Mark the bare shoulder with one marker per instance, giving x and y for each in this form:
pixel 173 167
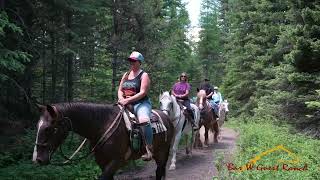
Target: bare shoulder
pixel 145 75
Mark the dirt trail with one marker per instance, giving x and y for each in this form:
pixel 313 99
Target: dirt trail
pixel 198 167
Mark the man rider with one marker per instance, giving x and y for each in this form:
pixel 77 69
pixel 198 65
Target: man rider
pixel 217 99
pixel 205 85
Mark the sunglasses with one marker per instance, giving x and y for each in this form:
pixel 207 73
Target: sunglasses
pixel 183 76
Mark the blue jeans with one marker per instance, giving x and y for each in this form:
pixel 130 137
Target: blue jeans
pixel 142 109
pixel 215 106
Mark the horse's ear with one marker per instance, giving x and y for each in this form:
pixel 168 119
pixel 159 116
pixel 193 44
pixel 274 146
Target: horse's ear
pixel 52 111
pixel 41 108
pixel 161 92
pixel 170 92
pixel 198 89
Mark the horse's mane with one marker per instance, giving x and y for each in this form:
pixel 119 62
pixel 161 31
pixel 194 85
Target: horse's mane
pixel 95 111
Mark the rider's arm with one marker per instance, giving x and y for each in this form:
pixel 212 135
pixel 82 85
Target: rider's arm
pixel 209 94
pixel 174 94
pixel 185 94
pixel 172 91
pixel 120 92
pixel 145 83
pixel 220 97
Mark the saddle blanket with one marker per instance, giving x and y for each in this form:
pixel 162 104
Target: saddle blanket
pixel 156 121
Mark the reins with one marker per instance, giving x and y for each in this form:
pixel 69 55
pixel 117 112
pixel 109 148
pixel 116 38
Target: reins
pixel 107 134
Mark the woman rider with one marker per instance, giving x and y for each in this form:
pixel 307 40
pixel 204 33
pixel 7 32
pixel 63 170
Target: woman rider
pixel 133 89
pixel 181 91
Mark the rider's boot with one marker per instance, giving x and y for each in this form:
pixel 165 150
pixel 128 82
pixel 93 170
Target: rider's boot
pixel 215 113
pixel 147 134
pixel 192 120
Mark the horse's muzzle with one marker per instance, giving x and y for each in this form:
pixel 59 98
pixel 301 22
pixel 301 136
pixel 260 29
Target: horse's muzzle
pixel 41 162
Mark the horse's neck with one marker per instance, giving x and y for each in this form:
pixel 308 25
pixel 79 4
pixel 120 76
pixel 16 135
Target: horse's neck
pixel 205 103
pixel 84 125
pixel 175 107
pixel 222 109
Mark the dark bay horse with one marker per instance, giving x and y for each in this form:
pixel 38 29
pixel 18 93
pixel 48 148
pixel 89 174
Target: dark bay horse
pixel 104 127
pixel 208 120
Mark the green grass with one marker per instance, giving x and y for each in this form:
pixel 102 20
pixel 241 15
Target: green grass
pixel 258 137
pixel 17 164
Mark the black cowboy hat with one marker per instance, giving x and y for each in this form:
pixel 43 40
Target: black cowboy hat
pixel 206 79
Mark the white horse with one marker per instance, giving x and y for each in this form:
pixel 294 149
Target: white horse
pixel 223 111
pixel 170 106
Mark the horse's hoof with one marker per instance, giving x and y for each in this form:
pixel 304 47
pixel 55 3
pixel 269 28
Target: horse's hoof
pixel 187 151
pixel 189 155
pixel 172 167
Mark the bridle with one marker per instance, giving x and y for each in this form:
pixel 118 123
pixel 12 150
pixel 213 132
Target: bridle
pixel 166 110
pixel 107 134
pixel 61 124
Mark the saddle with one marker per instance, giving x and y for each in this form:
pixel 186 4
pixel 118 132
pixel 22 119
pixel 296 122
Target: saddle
pixel 189 115
pixel 133 127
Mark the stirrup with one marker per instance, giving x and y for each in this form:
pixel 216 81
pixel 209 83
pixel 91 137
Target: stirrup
pixel 148 155
pixel 194 126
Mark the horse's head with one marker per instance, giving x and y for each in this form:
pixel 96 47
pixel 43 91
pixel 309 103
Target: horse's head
pixel 201 100
pixel 52 129
pixel 225 106
pixel 166 102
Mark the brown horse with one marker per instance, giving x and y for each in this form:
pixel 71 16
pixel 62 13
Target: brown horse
pixel 104 127
pixel 208 119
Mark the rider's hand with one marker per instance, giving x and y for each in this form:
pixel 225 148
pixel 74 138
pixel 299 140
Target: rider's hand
pixel 123 101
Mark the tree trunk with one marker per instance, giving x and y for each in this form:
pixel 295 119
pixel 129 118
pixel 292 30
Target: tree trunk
pixel 53 68
pixel 69 59
pixel 44 71
pixel 114 49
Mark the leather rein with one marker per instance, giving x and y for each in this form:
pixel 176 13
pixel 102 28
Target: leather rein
pixel 106 135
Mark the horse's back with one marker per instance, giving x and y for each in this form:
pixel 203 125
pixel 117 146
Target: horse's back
pixel 165 119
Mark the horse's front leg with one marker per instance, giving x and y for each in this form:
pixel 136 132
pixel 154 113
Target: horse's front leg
pixel 216 132
pixel 192 141
pixel 110 169
pixel 188 149
pixel 206 136
pixel 197 141
pixel 189 143
pixel 176 139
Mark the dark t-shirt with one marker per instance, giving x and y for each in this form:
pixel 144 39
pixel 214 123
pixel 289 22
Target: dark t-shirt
pixel 207 87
